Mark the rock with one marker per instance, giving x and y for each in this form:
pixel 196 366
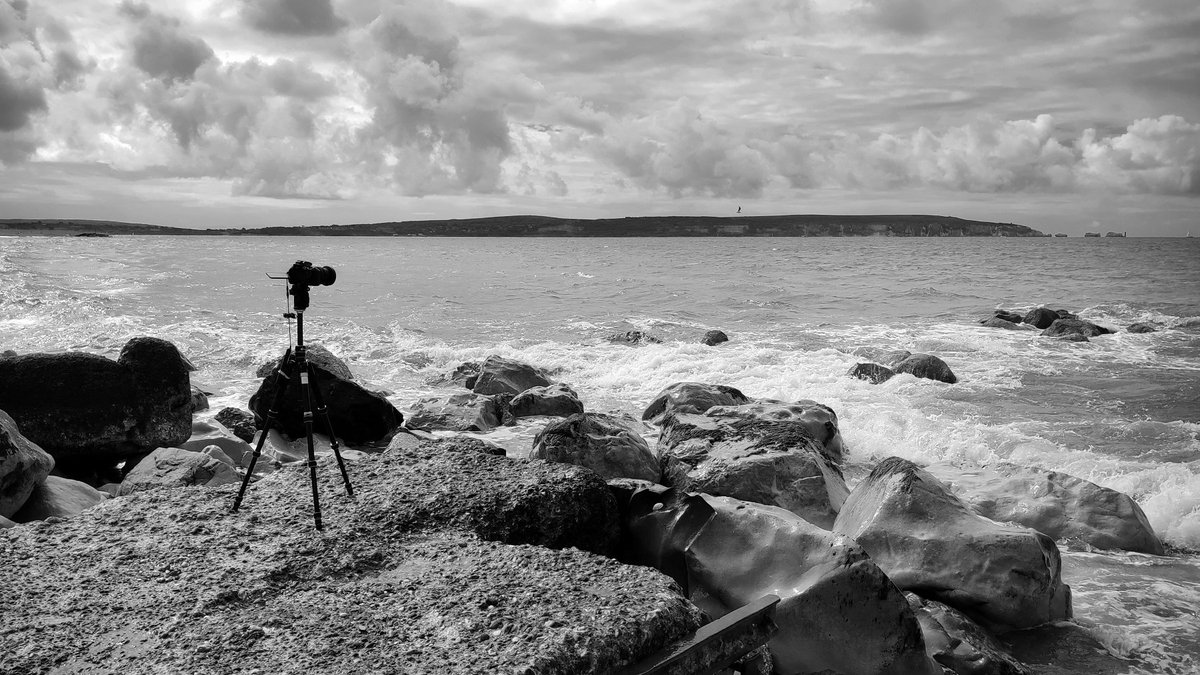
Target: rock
pixel 634 337
pixel 1141 328
pixel 871 372
pixel 357 414
pixel 218 454
pixel 1006 315
pixel 1072 337
pixel 91 412
pixel 557 400
pixel 58 497
pixel 199 399
pixel 959 644
pixel 174 468
pixel 997 322
pixel 692 397
pixel 205 434
pixel 23 465
pixel 318 356
pixel 240 422
pixel 467 444
pixel 499 375
pixel 926 366
pixel 1062 327
pixel 5 523
pixel 726 553
pixel 746 453
pixel 1058 505
pixel 1041 317
pixel 599 442
pixel 931 542
pixel 457 412
pixel 713 338
pixel 888 357
pixel 818 418
pixel 462 376
pixel 7 354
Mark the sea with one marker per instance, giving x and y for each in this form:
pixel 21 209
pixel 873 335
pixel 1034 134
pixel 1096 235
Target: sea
pixel 1122 410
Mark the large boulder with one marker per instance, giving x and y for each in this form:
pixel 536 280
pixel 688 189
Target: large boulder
pixel 58 497
pixel 1062 327
pixel 317 355
pixel 748 453
pixel 22 466
pixel 499 375
pixel 692 397
pixel 713 338
pixel 999 322
pixel 173 468
pixel 634 337
pixel 458 412
pixel 927 366
pixel 961 645
pixel 1056 504
pixel 556 400
pixel 87 410
pixel 888 357
pixel 726 553
pixel 599 442
pixel 358 415
pixel 1041 317
pixel 871 372
pixel 1141 328
pixel 240 422
pixel 932 543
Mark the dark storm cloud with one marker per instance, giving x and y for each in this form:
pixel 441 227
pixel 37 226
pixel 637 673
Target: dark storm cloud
pixel 293 17
pixel 161 47
pixel 18 101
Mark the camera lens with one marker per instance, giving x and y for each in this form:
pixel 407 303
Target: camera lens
pixel 322 276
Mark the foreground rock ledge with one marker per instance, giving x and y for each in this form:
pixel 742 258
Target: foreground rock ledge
pixel 169 581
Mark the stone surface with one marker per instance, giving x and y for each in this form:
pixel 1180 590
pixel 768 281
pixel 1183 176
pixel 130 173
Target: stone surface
pixel 1056 504
pixel 599 442
pixel 1041 317
pixel 318 356
pixel 58 497
pixel 738 452
pixel 401 580
pixel 871 372
pixel 958 643
pixel 358 415
pixel 1141 328
pixel 692 397
pixel 888 357
pixel 557 400
pixel 22 466
pixel 926 366
pixel 456 412
pixel 1061 327
pixel 87 410
pixel 205 434
pixel 727 553
pixel 240 422
pixel 499 375
pixel 998 322
pixel 713 338
pixel 199 399
pixel 819 419
pixel 634 337
pixel 932 543
pixel 1006 315
pixel 173 468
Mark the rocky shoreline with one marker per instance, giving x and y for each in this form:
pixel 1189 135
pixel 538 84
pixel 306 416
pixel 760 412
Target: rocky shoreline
pixel 452 557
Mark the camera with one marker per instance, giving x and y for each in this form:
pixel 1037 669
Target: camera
pixel 304 273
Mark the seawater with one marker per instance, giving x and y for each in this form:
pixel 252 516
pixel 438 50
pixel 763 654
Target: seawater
pixel 1122 410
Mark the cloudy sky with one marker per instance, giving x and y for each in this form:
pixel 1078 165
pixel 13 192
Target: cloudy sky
pixel 1068 116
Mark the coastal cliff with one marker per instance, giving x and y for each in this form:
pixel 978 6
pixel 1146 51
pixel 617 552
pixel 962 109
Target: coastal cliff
pixel 545 226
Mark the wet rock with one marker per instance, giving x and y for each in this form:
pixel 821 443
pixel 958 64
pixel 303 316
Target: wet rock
pixel 1061 327
pixel 1141 328
pixel 557 400
pixel 318 356
pixel 888 357
pixel 457 412
pixel 1056 504
pixel 1041 317
pixel 58 497
pixel 726 553
pixel 743 453
pixel 871 372
pixel 91 412
pixel 499 375
pixel 23 465
pixel 634 337
pixel 931 542
pixel 927 366
pixel 997 322
pixel 175 468
pixel 1006 315
pixel 692 397
pixel 199 399
pixel 206 434
pixel 240 422
pixel 713 338
pixel 958 643
pixel 358 415
pixel 599 442
pixel 1072 337
pixel 468 444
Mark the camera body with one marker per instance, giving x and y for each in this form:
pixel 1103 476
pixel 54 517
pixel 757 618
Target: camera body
pixel 304 273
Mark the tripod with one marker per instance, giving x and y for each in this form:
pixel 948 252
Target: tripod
pixel 294 367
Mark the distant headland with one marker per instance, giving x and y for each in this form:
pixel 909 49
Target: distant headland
pixel 546 226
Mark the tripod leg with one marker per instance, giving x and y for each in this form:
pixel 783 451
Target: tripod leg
pixel 272 413
pixel 306 384
pixel 323 411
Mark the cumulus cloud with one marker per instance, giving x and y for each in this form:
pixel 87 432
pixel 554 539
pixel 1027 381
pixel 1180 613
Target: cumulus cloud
pixel 293 17
pixel 161 47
